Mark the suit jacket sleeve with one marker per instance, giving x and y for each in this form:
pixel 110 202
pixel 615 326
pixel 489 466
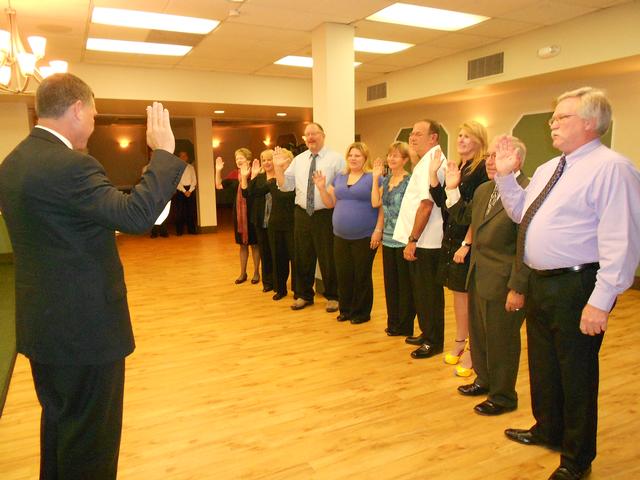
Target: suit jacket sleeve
pixel 93 196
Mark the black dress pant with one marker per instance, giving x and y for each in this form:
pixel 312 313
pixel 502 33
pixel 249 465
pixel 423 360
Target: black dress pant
pixel 354 262
pixel 282 251
pixel 428 295
pixel 81 419
pixel 397 288
pixel 185 212
pixel 563 365
pixel 313 241
pixel 494 335
pixel 265 255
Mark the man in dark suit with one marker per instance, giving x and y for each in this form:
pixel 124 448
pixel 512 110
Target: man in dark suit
pixel 72 317
pixel 496 287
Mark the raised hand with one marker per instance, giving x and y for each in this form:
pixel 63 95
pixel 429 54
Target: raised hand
pixel 506 156
pixel 219 164
pixel 159 133
pixel 280 159
pixel 244 169
pixel 452 175
pixel 436 161
pixel 255 168
pixel 378 168
pixel 319 180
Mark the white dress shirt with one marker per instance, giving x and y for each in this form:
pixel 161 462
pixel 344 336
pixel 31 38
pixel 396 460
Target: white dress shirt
pixel 297 175
pixel 418 190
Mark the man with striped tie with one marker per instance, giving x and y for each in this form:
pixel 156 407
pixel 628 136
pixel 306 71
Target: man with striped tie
pixel 580 235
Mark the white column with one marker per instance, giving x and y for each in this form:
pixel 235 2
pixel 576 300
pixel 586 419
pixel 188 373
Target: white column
pixel 333 83
pixel 207 215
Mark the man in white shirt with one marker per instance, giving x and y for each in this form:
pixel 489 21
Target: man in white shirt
pixel 313 227
pixel 419 227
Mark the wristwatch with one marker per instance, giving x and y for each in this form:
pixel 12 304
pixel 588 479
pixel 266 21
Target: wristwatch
pixel 412 239
pixel 465 244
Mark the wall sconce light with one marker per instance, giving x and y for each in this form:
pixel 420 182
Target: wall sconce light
pixel 215 143
pixel 482 121
pixel 304 138
pixel 267 141
pixel 124 143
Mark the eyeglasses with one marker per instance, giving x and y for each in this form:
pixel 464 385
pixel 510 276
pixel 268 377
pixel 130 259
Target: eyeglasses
pixel 560 118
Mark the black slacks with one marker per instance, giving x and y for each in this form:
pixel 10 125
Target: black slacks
pixel 313 241
pixel 265 255
pixel 563 365
pixel 354 262
pixel 81 420
pixel 185 212
pixel 282 251
pixel 397 288
pixel 494 335
pixel 428 295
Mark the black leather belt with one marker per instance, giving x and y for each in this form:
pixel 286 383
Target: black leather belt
pixel 560 271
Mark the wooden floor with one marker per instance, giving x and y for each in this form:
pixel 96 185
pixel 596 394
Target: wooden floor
pixel 227 384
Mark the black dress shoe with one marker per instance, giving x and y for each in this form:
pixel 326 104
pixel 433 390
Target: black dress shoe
pixel 278 296
pixel 343 317
pixel 357 321
pixel 472 390
pixel 491 409
pixel 241 279
pixel 391 333
pixel 425 351
pixel 267 288
pixel 418 340
pixel 527 437
pixel 564 473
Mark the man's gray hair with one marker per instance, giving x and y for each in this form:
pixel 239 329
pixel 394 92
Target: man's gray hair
pixel 58 92
pixel 593 104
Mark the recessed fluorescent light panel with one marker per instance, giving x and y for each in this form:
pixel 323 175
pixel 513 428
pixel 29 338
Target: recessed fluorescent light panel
pixel 281 114
pixel 297 61
pixel 371 45
pixel 145 48
pixel 426 17
pixel 152 21
pixel 219 112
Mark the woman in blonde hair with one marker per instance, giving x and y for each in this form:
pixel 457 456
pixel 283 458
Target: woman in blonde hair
pixel 244 230
pixel 471 145
pixel 357 229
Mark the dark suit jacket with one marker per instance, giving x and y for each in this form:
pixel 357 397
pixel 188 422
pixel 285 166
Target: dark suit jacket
pixel 494 244
pixel 61 211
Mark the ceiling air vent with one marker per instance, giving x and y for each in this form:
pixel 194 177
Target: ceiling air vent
pixel 376 92
pixel 485 66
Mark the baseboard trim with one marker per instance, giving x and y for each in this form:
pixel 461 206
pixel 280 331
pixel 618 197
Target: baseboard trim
pixel 211 229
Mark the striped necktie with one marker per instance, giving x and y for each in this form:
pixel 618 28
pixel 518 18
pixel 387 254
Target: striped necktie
pixel 495 195
pixel 311 187
pixel 533 208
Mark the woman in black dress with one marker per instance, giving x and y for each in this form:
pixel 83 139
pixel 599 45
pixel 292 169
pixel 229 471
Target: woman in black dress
pixel 244 230
pixel 454 257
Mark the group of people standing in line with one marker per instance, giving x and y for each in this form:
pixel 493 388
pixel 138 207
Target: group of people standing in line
pixel 568 242
pixel 462 224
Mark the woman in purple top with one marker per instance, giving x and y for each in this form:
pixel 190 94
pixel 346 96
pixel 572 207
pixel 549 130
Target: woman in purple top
pixel 357 227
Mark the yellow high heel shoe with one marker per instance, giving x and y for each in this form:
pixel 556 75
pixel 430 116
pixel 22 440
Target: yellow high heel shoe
pixel 451 359
pixel 464 371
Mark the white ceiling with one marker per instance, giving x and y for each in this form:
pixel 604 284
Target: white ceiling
pixel 266 30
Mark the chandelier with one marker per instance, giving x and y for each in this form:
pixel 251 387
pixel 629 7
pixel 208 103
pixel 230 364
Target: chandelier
pixel 17 65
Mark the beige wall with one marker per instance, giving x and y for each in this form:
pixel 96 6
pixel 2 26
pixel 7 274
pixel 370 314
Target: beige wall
pixel 14 127
pixel 501 112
